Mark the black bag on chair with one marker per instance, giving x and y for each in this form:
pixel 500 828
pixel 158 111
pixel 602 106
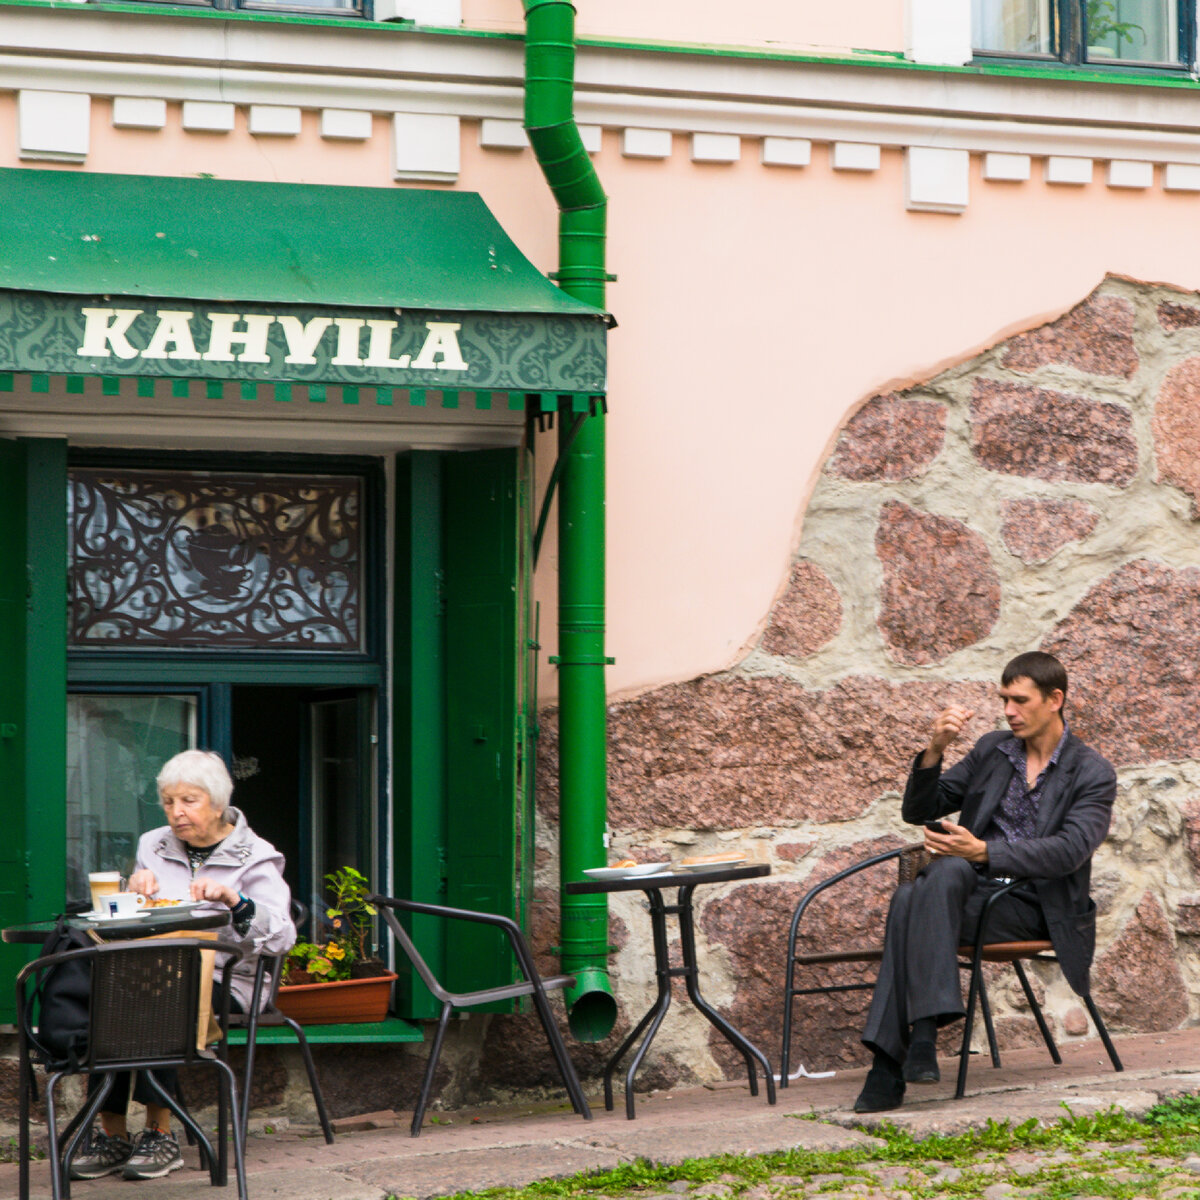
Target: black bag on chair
pixel 63 998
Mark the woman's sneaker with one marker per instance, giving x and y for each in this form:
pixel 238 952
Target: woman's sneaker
pixel 101 1155
pixel 154 1154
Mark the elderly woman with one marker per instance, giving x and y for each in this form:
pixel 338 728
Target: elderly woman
pixel 206 851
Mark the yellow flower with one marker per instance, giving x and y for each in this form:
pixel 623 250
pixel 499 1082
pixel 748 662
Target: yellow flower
pixel 335 951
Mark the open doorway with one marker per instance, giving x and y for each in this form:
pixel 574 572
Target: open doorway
pixel 304 776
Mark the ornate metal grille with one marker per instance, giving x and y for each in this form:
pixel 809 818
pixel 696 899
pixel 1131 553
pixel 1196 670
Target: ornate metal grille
pixel 191 559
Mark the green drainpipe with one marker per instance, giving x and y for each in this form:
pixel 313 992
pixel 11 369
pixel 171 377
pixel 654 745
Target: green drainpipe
pixel 583 782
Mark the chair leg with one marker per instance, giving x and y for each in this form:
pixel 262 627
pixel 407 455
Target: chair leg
pixel 1038 1016
pixel 311 1068
pixel 789 999
pixel 566 1068
pixel 964 1057
pixel 985 1006
pixel 208 1159
pixel 430 1068
pixel 59 1182
pixel 248 1074
pixel 24 1092
pixel 1103 1032
pixel 79 1126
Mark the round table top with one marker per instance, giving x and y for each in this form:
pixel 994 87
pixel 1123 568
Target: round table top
pixel 649 883
pixel 156 921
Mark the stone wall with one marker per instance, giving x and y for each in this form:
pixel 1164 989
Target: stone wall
pixel 1044 494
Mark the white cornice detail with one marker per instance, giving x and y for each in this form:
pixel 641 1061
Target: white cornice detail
pixel 395 71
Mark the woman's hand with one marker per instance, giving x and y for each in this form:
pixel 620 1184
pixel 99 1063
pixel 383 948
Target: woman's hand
pixel 204 888
pixel 143 882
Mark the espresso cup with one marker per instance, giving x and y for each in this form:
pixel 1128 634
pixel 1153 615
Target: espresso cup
pixel 103 883
pixel 123 904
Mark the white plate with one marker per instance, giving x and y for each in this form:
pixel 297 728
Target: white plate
pixel 626 872
pixel 182 906
pixel 95 916
pixel 724 864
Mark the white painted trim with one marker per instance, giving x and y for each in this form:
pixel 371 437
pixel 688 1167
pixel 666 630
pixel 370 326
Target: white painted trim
pixel 443 13
pixel 1181 177
pixel 1067 170
pixel 716 147
pixel 502 135
pixel 936 180
pixel 393 69
pixel 1006 168
pixel 786 152
pixel 592 137
pixel 1125 174
pixel 646 143
pixel 138 112
pixel 206 116
pixel 854 156
pixel 274 120
pixel 53 126
pixel 345 124
pixel 938 32
pixel 425 147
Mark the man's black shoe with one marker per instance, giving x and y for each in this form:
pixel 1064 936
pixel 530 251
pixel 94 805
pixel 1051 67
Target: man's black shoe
pixel 883 1090
pixel 921 1065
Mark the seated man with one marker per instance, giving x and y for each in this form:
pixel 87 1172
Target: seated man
pixel 1034 804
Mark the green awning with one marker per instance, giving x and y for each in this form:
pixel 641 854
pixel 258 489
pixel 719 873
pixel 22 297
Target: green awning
pixel 141 275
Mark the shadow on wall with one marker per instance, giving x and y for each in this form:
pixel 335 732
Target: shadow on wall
pixel 1043 494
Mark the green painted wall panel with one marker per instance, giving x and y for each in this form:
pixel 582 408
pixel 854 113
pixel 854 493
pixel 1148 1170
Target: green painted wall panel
pixel 480 514
pixel 32 690
pixel 418 706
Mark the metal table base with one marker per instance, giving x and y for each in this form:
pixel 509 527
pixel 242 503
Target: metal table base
pixel 648 1026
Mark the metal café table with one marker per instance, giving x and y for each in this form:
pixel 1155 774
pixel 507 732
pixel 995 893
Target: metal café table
pixel 156 921
pixel 653 885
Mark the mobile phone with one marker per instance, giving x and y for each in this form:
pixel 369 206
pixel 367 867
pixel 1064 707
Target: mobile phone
pixel 936 827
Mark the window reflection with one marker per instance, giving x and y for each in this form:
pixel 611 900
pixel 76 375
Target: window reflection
pixel 116 745
pixel 1012 26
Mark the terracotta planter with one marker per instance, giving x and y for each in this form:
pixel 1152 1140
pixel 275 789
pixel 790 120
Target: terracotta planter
pixel 342 1002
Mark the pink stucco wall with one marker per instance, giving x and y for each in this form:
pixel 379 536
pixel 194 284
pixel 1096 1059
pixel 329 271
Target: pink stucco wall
pixel 810 24
pixel 758 307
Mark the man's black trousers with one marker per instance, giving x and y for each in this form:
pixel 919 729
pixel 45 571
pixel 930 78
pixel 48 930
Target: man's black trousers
pixel 927 922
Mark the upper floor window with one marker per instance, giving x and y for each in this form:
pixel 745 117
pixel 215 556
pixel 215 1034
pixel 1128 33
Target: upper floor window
pixel 1146 32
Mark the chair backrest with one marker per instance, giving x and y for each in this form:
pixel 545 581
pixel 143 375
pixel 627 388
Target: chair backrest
pixel 143 1002
pixel 410 951
pixel 145 998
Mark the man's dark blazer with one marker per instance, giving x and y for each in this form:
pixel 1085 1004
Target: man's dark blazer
pixel 1073 819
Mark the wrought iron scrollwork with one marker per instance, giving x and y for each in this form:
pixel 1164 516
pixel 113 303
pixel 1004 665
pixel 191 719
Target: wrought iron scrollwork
pixel 215 561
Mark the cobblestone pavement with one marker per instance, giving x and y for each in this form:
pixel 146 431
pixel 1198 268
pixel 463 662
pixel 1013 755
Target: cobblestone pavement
pixel 828 1147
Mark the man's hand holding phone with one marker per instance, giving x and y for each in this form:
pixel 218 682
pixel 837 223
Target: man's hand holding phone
pixel 956 841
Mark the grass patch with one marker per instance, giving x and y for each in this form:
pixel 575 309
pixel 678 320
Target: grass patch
pixel 1092 1157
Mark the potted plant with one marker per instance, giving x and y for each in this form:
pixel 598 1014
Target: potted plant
pixel 338 979
pixel 1102 23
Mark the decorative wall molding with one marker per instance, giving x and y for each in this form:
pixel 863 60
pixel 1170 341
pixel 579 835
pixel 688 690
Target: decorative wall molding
pixel 936 180
pixel 53 126
pixel 428 82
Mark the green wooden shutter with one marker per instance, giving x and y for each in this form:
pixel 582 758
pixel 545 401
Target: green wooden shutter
pixel 33 684
pixel 480 512
pixel 418 716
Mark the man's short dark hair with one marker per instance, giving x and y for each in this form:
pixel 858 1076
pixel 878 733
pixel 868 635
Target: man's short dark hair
pixel 1044 670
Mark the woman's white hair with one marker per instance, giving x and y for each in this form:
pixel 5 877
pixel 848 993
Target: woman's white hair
pixel 198 768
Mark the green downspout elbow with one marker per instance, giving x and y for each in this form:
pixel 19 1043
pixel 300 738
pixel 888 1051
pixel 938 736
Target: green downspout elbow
pixel 583 774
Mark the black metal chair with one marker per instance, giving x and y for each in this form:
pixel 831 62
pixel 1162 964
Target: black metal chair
pixel 267 975
pixel 910 860
pixel 143 1014
pixel 531 984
